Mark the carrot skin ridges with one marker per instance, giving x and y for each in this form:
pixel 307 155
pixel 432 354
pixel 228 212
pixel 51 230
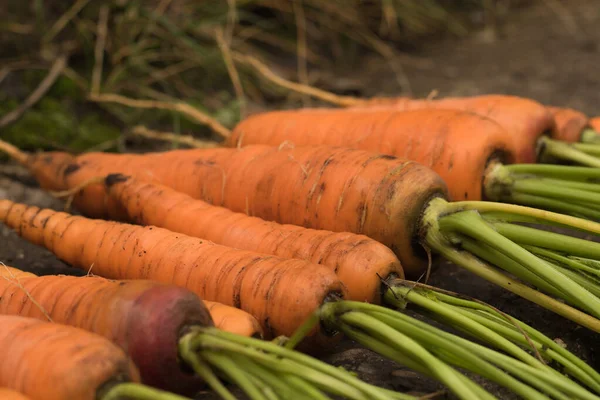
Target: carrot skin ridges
pixel 457 145
pixel 144 318
pixel 234 320
pixel 48 361
pixel 359 261
pixel 570 123
pixel 524 120
pixel 8 394
pixel 258 284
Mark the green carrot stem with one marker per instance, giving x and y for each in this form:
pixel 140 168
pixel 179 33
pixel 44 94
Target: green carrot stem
pixel 464 323
pixel 590 135
pixel 518 332
pixel 506 263
pixel 542 216
pixel 548 240
pixel 447 350
pixel 201 369
pixel 235 374
pixel 545 203
pixel 139 392
pixel 353 389
pixel 563 172
pixel 585 186
pixel 582 280
pixel 270 380
pixel 471 224
pixel 546 189
pixel 501 360
pixel 302 387
pixel 490 274
pixel 588 148
pixel 567 152
pixel 260 347
pixel 567 261
pixel 412 349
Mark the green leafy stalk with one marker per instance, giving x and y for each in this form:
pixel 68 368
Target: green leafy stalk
pixel 136 391
pixel 446 225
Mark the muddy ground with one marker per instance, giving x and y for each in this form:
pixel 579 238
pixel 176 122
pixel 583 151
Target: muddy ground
pixel 549 54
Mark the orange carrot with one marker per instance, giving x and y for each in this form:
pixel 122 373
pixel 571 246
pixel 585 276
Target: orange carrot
pixel 595 123
pixel 8 394
pixel 234 320
pixel 524 120
pixel 259 284
pixel 347 253
pixel 570 123
pixel 443 140
pixel 336 189
pixel 57 362
pixel 144 318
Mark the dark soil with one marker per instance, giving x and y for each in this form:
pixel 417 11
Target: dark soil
pixel 538 53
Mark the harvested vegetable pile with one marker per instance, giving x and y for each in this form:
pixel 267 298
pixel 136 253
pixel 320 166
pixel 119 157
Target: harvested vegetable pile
pixel 235 268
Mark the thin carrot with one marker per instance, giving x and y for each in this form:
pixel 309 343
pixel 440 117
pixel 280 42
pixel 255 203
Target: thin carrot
pixel 259 284
pixel 8 394
pixel 57 362
pixel 144 318
pixel 346 253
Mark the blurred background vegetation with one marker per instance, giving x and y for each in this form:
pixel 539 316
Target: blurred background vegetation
pixel 194 51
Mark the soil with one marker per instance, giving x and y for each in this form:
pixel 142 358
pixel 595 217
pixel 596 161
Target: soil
pixel 548 54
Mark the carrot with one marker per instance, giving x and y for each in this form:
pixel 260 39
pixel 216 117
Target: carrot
pixel 234 320
pixel 595 123
pixel 259 284
pixel 56 362
pixel 346 253
pixel 475 166
pixel 115 310
pixel 7 394
pixel 524 120
pixel 397 202
pixel 443 140
pixel 570 123
pixel 227 318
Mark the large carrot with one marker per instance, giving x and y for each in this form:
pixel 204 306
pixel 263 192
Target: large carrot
pixel 257 283
pixel 347 253
pixel 524 120
pixel 48 361
pixel 469 152
pixel 459 146
pixel 395 201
